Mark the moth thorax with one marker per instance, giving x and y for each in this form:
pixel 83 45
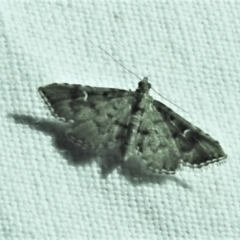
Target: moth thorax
pixel 144 85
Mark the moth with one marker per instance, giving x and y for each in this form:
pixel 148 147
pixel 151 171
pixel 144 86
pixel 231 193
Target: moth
pixel 141 126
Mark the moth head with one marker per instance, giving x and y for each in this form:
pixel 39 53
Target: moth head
pixel 144 85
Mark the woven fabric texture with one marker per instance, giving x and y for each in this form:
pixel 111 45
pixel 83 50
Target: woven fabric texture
pixel 191 54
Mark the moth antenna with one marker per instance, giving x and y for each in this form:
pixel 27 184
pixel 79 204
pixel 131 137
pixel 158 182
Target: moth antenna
pixel 135 75
pixel 119 62
pixel 169 100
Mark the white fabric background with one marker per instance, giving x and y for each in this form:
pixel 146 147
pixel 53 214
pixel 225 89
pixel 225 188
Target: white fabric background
pixel 191 54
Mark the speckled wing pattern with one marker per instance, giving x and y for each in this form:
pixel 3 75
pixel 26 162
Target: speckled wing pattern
pixel 141 126
pixel 99 115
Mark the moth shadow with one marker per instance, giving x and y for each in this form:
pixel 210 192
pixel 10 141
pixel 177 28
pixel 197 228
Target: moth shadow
pixel 74 154
pixel 137 175
pixel 108 161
